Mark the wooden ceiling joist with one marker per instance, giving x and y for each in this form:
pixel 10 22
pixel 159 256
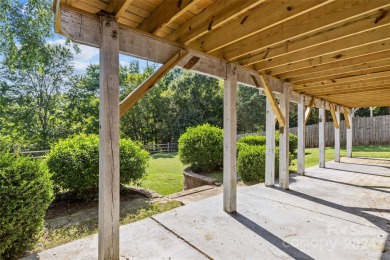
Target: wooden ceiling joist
pixel 329 58
pixel 325 49
pixel 118 7
pixel 218 14
pixel 327 36
pixel 333 48
pixel 165 14
pixel 330 15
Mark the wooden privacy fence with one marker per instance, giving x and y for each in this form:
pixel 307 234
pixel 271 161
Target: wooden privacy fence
pixel 366 131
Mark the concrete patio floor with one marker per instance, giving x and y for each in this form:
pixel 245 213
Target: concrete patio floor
pixel 340 212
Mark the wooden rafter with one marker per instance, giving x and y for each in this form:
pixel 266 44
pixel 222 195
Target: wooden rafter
pixel 341 36
pixel 118 7
pixel 218 14
pixel 165 14
pixel 253 22
pixel 271 98
pixel 344 44
pixel 333 113
pixel 142 89
pixel 331 15
pixel 309 108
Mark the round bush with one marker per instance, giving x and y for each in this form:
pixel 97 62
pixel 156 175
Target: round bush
pixel 202 148
pixel 74 163
pixel 251 163
pixel 26 191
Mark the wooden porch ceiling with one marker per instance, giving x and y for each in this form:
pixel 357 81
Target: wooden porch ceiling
pixel 335 50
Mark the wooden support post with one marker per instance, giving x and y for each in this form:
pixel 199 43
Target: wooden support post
pixel 270 146
pixel 230 133
pixel 301 135
pixel 371 111
pixel 349 135
pixel 284 153
pixel 337 137
pixel 321 135
pixel 148 84
pixel 109 140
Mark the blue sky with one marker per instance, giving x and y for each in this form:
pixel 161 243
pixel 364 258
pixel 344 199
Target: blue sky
pixel 90 55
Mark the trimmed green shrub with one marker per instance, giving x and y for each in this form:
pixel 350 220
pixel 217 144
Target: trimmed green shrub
pixel 26 191
pixel 201 147
pixel 292 144
pixel 74 163
pixel 251 163
pixel 253 140
pixel 261 140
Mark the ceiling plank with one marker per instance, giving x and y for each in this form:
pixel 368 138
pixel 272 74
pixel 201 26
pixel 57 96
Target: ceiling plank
pixel 165 14
pixel 316 20
pixel 214 16
pixel 118 7
pixel 260 19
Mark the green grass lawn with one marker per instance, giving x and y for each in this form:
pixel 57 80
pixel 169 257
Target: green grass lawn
pixel 371 151
pixel 165 171
pixel 164 174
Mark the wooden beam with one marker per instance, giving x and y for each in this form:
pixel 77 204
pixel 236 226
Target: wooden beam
pixel 309 108
pixel 330 15
pixel 284 136
pixel 165 14
pixel 301 136
pixel 276 12
pixel 216 15
pixel 270 145
pixel 109 141
pixel 335 121
pixel 230 136
pixel 118 7
pixel 148 84
pixel 270 96
pixel 346 118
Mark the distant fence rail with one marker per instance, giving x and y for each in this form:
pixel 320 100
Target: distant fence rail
pixel 151 148
pixel 366 131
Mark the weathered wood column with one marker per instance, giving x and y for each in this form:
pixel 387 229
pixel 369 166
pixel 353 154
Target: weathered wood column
pixel 270 145
pixel 349 134
pixel 109 140
pixel 337 137
pixel 284 153
pixel 301 135
pixel 321 135
pixel 229 142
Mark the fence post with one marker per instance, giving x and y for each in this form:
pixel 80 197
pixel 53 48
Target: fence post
pixel 168 147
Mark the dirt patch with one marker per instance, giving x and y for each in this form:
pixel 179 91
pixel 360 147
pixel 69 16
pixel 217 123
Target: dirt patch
pixel 69 211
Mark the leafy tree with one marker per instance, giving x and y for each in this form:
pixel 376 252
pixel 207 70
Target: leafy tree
pixel 250 110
